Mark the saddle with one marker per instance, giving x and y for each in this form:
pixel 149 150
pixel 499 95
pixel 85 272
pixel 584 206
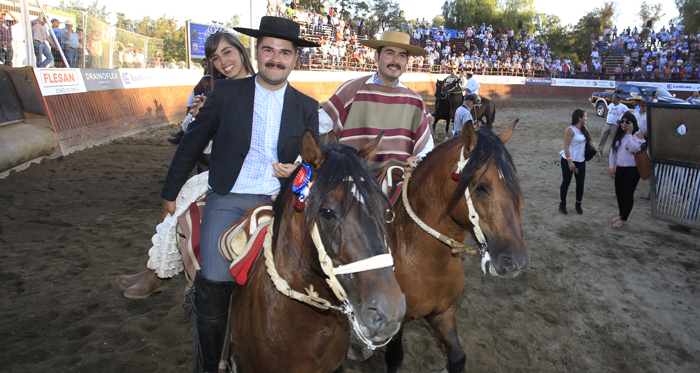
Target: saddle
pixel 391 180
pixel 241 243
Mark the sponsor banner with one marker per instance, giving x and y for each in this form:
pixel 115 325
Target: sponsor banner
pixel 59 81
pixel 198 36
pixel 101 79
pixel 538 81
pixel 684 87
pixel 603 84
pixel 144 78
pixel 500 79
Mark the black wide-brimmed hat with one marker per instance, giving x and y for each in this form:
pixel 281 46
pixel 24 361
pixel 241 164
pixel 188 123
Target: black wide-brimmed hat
pixel 280 28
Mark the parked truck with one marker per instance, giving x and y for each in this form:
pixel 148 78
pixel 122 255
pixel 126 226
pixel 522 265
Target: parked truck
pixel 600 100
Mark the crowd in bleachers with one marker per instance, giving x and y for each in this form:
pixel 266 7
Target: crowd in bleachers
pixel 667 55
pixel 671 54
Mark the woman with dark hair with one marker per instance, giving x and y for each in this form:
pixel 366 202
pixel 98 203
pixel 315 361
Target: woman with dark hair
pixel 623 168
pixel 573 159
pixel 229 60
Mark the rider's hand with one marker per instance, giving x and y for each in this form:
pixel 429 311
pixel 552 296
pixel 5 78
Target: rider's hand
pixel 168 208
pixel 283 170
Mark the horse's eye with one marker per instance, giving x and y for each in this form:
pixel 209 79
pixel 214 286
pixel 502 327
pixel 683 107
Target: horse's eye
pixel 327 214
pixel 481 188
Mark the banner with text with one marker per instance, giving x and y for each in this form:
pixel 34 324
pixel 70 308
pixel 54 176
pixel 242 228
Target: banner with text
pixel 59 81
pixel 66 81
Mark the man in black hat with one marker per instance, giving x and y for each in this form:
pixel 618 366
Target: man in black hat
pixel 255 124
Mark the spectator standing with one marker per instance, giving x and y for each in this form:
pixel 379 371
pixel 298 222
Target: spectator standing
pixel 40 33
pixel 623 168
pixel 6 50
pixel 573 159
pixel 58 62
pixel 94 48
pixel 612 115
pixel 70 43
pixel 129 58
pixel 81 49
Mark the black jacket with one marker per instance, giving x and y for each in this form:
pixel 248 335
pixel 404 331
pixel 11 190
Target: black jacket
pixel 227 118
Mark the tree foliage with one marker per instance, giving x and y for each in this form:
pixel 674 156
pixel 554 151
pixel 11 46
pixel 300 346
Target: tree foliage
pixel 438 21
pixel 92 10
pixel 689 14
pixel 649 12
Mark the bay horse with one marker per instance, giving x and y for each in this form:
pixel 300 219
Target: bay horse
pixel 485 112
pixel 467 184
pixel 344 215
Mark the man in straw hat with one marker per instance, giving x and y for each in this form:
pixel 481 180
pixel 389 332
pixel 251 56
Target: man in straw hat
pixel 473 86
pixel 245 118
pixel 362 107
pixel 70 43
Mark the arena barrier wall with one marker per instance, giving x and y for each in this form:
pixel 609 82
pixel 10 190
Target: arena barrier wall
pixel 88 107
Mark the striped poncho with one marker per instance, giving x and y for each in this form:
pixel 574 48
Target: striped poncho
pixel 360 110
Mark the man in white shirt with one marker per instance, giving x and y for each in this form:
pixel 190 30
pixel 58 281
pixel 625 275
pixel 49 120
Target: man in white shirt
pixel 473 86
pixel 612 115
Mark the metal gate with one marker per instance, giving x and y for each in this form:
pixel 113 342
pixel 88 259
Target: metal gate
pixel 674 149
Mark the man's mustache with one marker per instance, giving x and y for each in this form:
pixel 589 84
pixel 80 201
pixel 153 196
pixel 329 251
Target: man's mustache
pixel 277 65
pixel 394 65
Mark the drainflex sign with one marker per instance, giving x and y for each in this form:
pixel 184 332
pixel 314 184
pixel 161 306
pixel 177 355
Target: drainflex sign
pixel 59 81
pixel 101 79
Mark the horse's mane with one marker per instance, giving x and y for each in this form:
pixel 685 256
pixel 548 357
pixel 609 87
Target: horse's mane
pixel 342 165
pixel 489 149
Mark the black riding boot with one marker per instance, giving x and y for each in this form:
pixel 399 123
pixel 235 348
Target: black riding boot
pixel 211 312
pixel 562 208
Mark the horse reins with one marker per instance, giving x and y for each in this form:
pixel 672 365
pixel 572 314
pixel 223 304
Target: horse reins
pixel 311 297
pixel 456 247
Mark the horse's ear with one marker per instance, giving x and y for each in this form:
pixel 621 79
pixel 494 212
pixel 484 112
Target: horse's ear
pixel 310 150
pixel 469 137
pixel 508 132
pixel 368 151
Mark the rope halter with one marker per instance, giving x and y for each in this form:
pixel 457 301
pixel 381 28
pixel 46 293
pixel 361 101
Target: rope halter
pixel 311 297
pixel 456 247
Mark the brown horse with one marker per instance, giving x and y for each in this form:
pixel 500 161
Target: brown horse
pixel 485 112
pixel 429 272
pixel 345 216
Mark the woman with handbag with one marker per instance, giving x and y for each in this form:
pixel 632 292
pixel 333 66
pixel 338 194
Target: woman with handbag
pixel 623 168
pixel 574 157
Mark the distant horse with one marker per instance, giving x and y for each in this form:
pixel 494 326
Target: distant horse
pixel 467 184
pixel 485 112
pixel 444 106
pixel 343 221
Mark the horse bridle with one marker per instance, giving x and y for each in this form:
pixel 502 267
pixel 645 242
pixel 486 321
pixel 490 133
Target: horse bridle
pixel 456 247
pixel 311 297
pixel 444 93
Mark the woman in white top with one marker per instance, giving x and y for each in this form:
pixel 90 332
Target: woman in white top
pixel 573 160
pixel 623 168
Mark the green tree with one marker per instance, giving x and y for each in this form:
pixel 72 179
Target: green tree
pixel 651 13
pixel 438 21
pixel 93 10
pixel 592 24
pixel 386 15
pixel 689 14
pixel 459 14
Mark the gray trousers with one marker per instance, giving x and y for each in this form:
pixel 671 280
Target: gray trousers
pixel 608 130
pixel 220 213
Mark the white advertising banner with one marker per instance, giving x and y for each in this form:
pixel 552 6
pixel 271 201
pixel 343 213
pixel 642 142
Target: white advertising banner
pixel 602 84
pixel 145 78
pixel 686 87
pixel 59 81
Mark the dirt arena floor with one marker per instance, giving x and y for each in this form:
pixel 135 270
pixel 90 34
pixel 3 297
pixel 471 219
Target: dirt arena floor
pixel 592 300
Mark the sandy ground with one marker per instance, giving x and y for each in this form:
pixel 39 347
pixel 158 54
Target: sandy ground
pixel 592 300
